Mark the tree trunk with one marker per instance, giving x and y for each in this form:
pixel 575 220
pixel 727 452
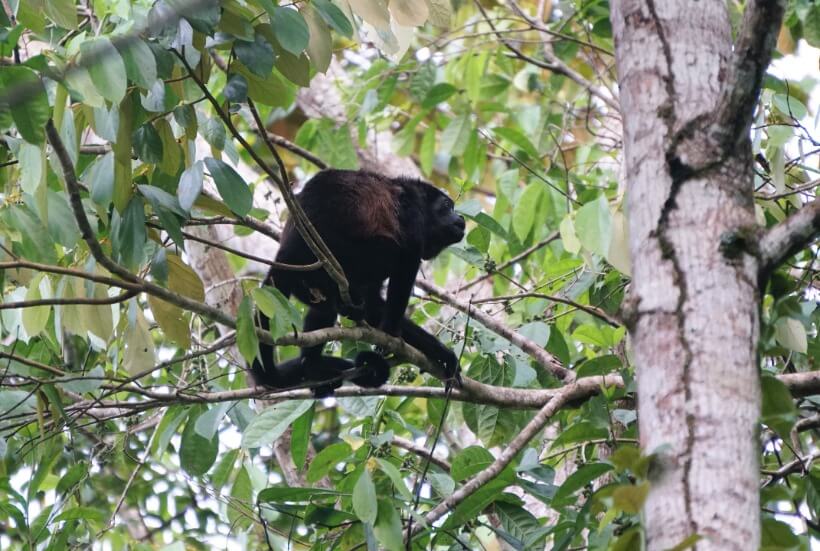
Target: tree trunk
pixel 693 308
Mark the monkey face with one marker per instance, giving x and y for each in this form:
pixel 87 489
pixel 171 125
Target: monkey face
pixel 444 225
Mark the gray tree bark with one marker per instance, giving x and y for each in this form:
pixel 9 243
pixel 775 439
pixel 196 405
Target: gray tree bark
pixel 693 309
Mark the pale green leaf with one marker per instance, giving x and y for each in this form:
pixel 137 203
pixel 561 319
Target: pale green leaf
pixel 525 208
pixel 618 253
pixel 791 334
pixel 273 422
pixel 246 339
pixel 364 498
pixel 411 13
pixel 106 67
pixel 593 225
pixel 35 318
pixel 454 138
pixel 139 352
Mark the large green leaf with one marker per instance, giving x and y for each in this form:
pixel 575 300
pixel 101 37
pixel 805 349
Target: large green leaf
pixel 291 30
pixel 271 423
pixel 231 186
pixel 364 498
pixel 106 67
pixel 27 102
pixel 140 63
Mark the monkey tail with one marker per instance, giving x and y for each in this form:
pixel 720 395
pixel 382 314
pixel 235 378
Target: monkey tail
pixel 323 374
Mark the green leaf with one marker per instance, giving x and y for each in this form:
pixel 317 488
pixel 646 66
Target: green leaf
pixel 395 476
pixel 791 334
pixel 32 161
pixel 28 105
pixel 580 478
pixel 100 178
pixel 427 151
pixel 171 153
pixel 327 459
pixel 789 106
pixel 525 209
pixel 73 475
pixel 62 226
pixel 190 185
pixel 335 146
pixel 593 224
pixel 630 498
pixel 274 89
pixel 257 56
pixel 246 338
pixel 410 13
pixel 236 89
pixel 139 353
pixel 88 514
pixel 272 423
pixel 106 67
pixel 778 410
pixel 148 144
pixel 568 236
pixel 171 319
pixel 35 318
pixel 454 138
pixel 300 438
pixel 518 139
pixel 811 25
pixel 62 12
pixel 423 80
pixel 320 46
pixel 618 253
pixel 203 15
pixel 388 526
pixel 291 30
pixel 518 523
pixel 283 315
pixel 184 280
pixel 334 17
pixel 364 498
pixel 776 534
pixel 140 63
pixel 122 157
pixel 241 499
pixel 131 236
pixel 231 187
pixel 208 423
pixel 197 454
pixel 469 462
pixel 438 93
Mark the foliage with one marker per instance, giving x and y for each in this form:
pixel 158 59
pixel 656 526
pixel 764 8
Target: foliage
pixel 124 417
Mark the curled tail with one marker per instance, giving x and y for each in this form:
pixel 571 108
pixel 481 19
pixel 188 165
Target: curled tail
pixel 323 374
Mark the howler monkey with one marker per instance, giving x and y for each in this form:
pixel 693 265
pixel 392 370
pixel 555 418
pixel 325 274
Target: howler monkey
pixel 378 228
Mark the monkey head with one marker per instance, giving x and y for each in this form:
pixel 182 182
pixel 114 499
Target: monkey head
pixel 443 225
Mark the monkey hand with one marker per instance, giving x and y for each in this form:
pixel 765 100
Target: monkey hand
pixel 448 361
pixel 375 369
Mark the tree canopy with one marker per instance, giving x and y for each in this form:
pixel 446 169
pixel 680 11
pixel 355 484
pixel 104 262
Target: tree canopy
pixel 148 159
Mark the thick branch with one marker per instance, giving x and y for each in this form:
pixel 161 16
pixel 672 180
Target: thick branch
pixel 752 54
pixel 789 236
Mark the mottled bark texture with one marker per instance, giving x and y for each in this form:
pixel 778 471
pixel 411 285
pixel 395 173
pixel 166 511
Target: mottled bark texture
pixel 686 102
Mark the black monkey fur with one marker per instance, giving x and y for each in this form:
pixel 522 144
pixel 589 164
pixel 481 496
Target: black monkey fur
pixel 378 228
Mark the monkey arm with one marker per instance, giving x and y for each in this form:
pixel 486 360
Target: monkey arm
pixel 398 295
